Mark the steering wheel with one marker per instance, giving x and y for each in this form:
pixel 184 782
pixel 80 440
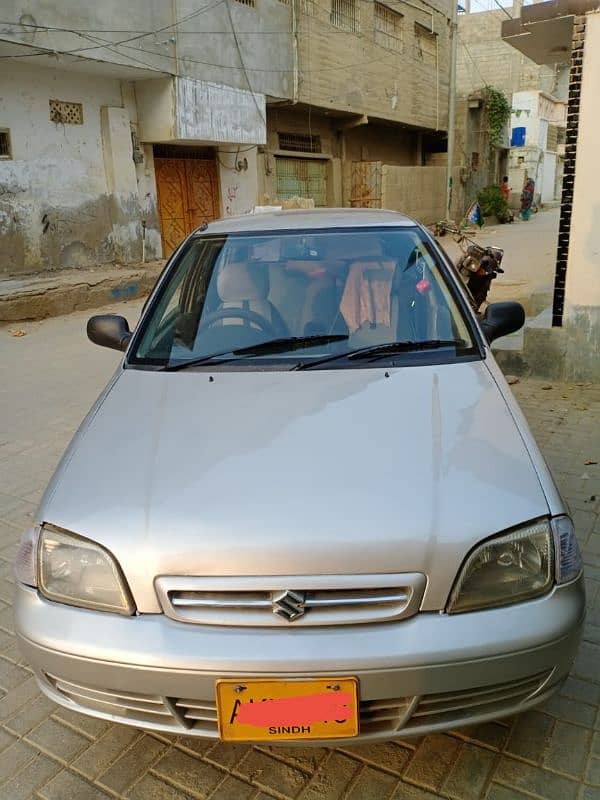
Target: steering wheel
pixel 239 313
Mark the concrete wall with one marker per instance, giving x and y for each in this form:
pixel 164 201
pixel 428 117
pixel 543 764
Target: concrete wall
pixel 238 181
pixel 418 192
pixel 28 21
pixel 201 46
pixel 348 71
pixel 582 291
pixel 342 147
pixel 68 197
pixel 264 38
pixel 484 58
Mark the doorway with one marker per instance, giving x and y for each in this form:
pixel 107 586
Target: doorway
pixel 188 191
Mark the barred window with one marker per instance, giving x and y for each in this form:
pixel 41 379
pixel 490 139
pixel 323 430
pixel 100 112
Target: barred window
pixel 5 151
pixel 388 27
pixel 425 43
pixel 300 142
pixel 552 139
pixel 309 7
pixel 250 3
pixel 345 15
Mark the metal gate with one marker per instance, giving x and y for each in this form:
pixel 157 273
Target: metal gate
pixel 188 196
pixel 365 187
pixel 302 177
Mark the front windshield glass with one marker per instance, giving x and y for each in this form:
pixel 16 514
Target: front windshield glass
pixel 327 292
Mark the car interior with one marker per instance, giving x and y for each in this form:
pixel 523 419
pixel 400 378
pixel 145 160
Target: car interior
pixel 373 288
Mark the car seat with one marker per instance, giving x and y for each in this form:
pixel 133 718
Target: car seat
pixel 245 285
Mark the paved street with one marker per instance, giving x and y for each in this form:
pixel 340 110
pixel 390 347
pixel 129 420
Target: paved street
pixel 529 258
pixel 50 376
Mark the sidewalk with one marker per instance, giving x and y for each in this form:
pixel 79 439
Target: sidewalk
pixel 50 294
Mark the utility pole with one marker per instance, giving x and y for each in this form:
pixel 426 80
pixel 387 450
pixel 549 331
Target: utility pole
pixel 451 104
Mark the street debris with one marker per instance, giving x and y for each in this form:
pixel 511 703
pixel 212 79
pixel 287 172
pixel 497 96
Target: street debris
pixel 547 386
pixel 589 461
pixel 512 379
pixel 18 332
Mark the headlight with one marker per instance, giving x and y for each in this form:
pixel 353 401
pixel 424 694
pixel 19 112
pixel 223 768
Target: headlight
pixel 507 569
pixel 79 572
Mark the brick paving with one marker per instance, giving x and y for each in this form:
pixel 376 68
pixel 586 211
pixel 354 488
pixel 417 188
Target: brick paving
pixel 51 376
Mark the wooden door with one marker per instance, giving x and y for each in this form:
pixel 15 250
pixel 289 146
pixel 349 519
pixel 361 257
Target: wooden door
pixel 202 192
pixel 187 197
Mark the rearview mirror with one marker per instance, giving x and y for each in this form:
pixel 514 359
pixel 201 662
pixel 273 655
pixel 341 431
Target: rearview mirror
pixel 109 330
pixel 500 319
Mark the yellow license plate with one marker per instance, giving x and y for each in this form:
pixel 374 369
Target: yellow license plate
pixel 279 710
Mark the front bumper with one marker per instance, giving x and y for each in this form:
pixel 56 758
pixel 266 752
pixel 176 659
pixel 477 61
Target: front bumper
pixel 429 672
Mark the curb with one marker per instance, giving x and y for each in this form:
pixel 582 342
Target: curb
pixel 40 302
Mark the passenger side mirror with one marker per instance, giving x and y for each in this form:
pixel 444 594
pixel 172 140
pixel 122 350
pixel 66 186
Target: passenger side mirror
pixel 109 330
pixel 500 319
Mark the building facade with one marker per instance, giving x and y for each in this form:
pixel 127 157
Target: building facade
pixel 571 28
pixel 537 93
pixel 124 127
pixel 538 129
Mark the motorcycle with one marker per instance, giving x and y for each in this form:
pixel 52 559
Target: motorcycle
pixel 478 266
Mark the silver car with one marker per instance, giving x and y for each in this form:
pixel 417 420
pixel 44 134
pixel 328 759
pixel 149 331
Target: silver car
pixel 306 507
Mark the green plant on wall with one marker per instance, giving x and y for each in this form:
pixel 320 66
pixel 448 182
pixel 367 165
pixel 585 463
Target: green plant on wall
pixel 498 111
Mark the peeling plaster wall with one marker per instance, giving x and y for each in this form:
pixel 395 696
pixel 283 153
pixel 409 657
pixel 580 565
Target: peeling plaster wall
pixel 239 190
pixel 56 205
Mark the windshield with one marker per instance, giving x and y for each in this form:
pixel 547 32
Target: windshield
pixel 300 296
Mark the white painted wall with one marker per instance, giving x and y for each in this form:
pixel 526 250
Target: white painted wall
pixel 525 115
pixel 583 270
pixel 548 179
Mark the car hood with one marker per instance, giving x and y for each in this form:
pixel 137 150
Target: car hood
pixel 296 473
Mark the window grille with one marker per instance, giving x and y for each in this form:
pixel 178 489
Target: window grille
pixel 5 151
pixel 552 139
pixel 425 44
pixel 388 27
pixel 345 15
pixel 299 143
pixel 309 7
pixel 66 113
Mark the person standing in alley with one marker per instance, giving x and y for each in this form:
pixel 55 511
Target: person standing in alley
pixel 505 189
pixel 527 196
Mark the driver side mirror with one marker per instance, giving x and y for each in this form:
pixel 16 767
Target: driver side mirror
pixel 109 330
pixel 500 319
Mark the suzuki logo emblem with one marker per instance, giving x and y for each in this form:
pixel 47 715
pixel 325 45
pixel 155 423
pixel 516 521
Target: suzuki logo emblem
pixel 288 604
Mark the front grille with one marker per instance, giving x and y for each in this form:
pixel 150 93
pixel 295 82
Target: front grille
pixel 403 714
pixel 438 708
pixel 130 705
pixel 297 600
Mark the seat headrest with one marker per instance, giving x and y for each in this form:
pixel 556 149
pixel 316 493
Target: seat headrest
pixel 245 280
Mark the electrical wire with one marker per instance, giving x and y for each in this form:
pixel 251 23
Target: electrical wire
pixel 261 114
pixel 501 7
pixel 109 45
pixel 56 29
pixel 121 42
pixel 468 52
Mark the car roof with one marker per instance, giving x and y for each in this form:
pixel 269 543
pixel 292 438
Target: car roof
pixel 302 219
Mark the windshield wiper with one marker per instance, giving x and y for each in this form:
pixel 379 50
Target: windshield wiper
pixel 373 352
pixel 280 345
